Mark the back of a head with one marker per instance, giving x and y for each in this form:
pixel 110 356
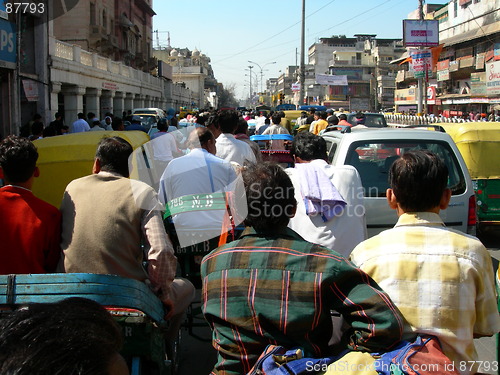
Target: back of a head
pixel 333 120
pixel 81 115
pixel 418 179
pixel 242 127
pixel 73 336
pixel 228 121
pixel 162 125
pixel 200 137
pixel 117 123
pixel 360 118
pixel 18 158
pixel 323 115
pixel 270 196
pixel 276 119
pixel 113 153
pixel 342 116
pixel 309 146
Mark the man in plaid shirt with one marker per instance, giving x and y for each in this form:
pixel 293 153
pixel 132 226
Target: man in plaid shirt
pixel 273 287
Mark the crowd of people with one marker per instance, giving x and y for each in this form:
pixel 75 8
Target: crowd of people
pixel 302 274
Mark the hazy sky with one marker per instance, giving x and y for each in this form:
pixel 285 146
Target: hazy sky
pixel 231 32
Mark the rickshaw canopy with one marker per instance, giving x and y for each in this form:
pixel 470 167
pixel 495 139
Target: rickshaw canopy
pixel 67 157
pixel 479 144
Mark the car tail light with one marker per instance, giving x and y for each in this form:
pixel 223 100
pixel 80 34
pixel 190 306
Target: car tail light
pixel 472 217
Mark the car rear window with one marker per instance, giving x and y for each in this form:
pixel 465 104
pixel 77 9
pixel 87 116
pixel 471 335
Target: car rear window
pixel 373 161
pixel 372 120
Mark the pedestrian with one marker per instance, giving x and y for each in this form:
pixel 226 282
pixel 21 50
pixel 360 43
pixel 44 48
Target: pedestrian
pixel 272 287
pixel 440 279
pixel 320 124
pixel 58 123
pixel 96 126
pixel 30 229
pixel 80 125
pixel 136 124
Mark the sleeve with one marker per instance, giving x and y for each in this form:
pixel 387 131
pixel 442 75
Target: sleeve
pixel 375 322
pixel 162 262
pixel 487 318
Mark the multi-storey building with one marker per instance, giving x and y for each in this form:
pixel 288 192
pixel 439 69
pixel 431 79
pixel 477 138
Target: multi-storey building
pixel 193 70
pixel 464 78
pixel 364 59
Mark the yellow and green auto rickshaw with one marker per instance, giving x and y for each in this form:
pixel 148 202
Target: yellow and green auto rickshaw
pixel 66 157
pixel 479 144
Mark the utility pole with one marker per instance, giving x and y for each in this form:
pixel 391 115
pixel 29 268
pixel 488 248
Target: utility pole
pixel 250 67
pixel 420 81
pixel 302 54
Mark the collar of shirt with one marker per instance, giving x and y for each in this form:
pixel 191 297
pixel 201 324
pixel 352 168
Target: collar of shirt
pixel 108 174
pixel 226 135
pixel 14 187
pixel 273 233
pixel 420 218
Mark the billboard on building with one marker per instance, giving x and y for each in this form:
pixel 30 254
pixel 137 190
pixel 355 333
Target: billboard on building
pixel 8 49
pixel 478 83
pixel 3 10
pixel 493 78
pixel 164 70
pixel 420 33
pixel 332 80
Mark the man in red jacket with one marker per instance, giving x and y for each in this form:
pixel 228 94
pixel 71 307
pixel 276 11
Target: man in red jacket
pixel 30 229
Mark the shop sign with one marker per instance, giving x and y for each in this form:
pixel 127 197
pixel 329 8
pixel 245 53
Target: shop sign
pixel 478 83
pixel 295 87
pixel 30 90
pixel 496 51
pixel 109 86
pixel 453 66
pixel 480 61
pixel 443 75
pixel 420 33
pixel 431 95
pixel 493 78
pixel 467 62
pixel 442 65
pixel 8 45
pixel 421 62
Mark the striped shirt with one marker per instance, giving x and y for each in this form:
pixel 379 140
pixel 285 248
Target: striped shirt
pixel 279 289
pixel 441 280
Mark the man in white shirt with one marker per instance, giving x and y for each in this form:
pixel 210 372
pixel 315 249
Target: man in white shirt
pixel 228 147
pixel 79 125
pixel 344 229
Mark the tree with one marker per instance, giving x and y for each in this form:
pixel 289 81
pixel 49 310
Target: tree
pixel 227 97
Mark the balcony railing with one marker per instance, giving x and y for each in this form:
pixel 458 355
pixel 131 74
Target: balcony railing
pixel 75 53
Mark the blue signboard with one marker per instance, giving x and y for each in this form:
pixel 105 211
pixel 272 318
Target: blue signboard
pixel 8 45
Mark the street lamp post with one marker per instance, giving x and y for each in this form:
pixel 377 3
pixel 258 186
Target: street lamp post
pixel 250 67
pixel 261 70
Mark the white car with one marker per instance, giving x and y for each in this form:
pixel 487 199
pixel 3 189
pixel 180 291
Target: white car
pixel 160 113
pixel 372 152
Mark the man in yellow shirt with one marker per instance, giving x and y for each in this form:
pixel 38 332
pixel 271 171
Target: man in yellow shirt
pixel 441 279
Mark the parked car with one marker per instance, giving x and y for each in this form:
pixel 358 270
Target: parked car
pixel 158 112
pixel 372 152
pixel 372 120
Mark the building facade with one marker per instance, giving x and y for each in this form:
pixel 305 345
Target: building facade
pixel 466 75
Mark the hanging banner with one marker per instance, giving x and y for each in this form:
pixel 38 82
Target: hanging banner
pixel 421 62
pixel 420 33
pixel 480 57
pixel 30 90
pixel 332 80
pixel 493 78
pixel 496 51
pixel 295 87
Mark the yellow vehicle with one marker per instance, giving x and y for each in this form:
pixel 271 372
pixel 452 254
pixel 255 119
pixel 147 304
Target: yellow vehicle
pixel 479 144
pixel 67 157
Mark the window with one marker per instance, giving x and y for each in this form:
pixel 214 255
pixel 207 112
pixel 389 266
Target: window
pixel 373 161
pixel 92 14
pixel 455 8
pixel 104 19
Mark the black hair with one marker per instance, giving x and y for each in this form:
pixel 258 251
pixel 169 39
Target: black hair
pixel 228 121
pixel 242 127
pixel 276 118
pixel 113 153
pixel 18 158
pixel 75 336
pixel 309 146
pixel 342 116
pixel 418 180
pixel 162 124
pixel 270 196
pixel 116 123
pixel 332 119
pixel 81 115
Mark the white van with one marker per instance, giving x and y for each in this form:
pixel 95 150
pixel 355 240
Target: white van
pixel 372 152
pixel 160 113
